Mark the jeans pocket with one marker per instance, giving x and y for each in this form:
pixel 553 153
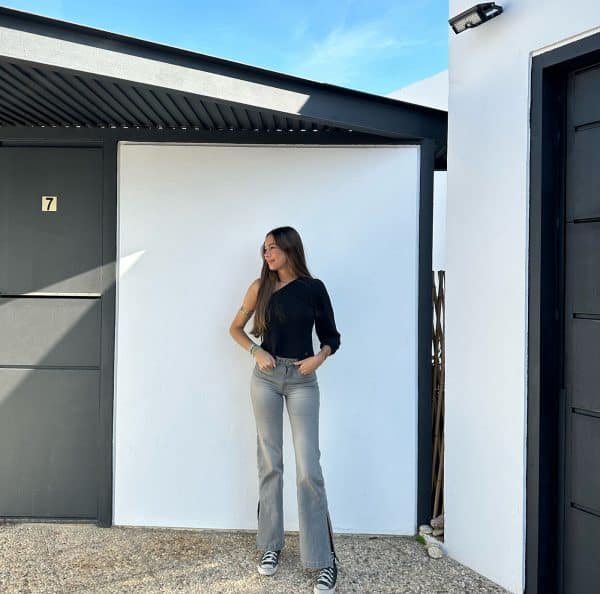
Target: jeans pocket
pixel 268 371
pixel 306 376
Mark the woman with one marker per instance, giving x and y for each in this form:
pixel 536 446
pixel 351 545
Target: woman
pixel 287 302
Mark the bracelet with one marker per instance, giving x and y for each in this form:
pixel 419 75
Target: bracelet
pixel 253 348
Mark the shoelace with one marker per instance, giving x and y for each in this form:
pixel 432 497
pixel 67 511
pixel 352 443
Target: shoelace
pixel 270 558
pixel 326 577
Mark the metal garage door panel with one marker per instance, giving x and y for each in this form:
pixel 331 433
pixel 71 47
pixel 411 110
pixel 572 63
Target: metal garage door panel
pixel 56 252
pixel 59 332
pixel 582 567
pixel 51 456
pixel 584 103
pixel 579 523
pixel 583 268
pixel 585 461
pixel 583 175
pixel 582 368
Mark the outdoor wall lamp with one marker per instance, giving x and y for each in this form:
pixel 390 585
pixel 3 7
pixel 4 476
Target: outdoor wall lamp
pixel 480 13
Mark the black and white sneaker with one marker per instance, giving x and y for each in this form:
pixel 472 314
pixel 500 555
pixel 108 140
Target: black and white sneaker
pixel 327 578
pixel 269 563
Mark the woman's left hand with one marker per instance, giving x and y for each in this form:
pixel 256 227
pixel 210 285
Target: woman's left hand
pixel 308 365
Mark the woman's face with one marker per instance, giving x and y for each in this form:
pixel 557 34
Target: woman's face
pixel 275 257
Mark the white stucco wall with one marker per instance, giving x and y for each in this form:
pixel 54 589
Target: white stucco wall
pixel 431 91
pixel 486 296
pixel 191 220
pixel 438 240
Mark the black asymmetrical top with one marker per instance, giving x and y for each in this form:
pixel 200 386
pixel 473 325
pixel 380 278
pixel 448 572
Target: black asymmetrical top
pixel 291 313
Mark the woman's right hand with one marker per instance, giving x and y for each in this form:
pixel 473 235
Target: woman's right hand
pixel 264 360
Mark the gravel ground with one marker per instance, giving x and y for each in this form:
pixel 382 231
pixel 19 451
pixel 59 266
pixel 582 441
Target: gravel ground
pixel 57 558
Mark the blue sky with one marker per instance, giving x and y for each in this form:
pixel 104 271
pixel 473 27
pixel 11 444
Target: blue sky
pixel 376 46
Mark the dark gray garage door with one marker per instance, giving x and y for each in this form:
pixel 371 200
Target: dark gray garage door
pixel 582 336
pixel 50 294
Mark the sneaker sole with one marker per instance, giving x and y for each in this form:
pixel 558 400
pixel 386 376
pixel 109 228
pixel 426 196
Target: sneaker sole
pixel 320 591
pixel 267 570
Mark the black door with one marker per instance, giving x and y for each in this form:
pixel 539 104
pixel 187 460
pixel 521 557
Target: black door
pixel 50 306
pixel 581 455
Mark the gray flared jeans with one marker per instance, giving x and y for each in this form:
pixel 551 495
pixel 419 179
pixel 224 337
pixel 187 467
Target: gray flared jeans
pixel 268 390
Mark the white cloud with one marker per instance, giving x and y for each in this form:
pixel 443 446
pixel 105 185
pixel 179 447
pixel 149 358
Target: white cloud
pixel 345 52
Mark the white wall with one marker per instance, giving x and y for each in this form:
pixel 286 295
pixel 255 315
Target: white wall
pixel 486 286
pixel 431 91
pixel 191 222
pixel 438 240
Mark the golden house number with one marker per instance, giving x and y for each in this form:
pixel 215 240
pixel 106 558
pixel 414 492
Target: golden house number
pixel 49 203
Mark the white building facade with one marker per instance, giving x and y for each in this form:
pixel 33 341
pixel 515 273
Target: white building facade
pixel 522 499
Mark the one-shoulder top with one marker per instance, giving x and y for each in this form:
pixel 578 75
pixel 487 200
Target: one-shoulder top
pixel 292 311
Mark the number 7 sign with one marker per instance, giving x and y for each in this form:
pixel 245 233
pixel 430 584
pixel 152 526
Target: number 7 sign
pixel 49 203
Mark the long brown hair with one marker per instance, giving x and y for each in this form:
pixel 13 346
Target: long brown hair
pixel 287 239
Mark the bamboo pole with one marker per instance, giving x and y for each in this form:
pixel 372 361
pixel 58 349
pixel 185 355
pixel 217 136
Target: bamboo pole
pixel 438 370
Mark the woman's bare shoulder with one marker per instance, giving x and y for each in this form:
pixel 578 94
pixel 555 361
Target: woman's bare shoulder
pixel 252 292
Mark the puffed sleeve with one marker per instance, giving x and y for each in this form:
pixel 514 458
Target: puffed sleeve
pixel 324 318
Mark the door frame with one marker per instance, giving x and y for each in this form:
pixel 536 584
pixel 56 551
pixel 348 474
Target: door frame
pixel 544 498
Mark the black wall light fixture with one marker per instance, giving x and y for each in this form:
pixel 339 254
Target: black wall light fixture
pixel 480 13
